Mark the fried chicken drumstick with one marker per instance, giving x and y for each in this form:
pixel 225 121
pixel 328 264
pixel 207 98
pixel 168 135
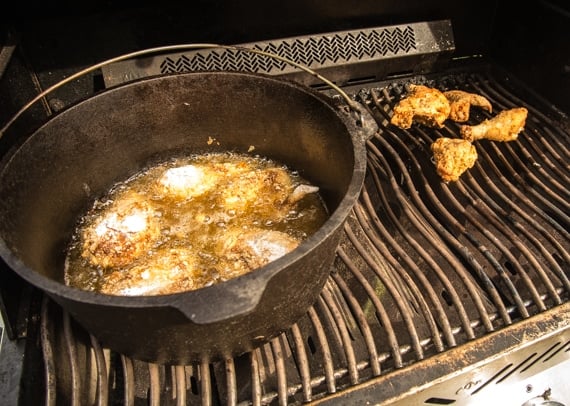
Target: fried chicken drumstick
pixel 423 105
pixel 505 126
pixel 452 157
pixel 461 102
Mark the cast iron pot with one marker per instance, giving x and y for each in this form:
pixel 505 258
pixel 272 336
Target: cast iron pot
pixel 56 174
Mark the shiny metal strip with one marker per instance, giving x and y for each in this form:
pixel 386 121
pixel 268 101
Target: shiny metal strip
pixel 48 354
pixel 302 362
pixel 71 350
pixel 280 371
pixel 128 381
pixel 180 382
pixel 102 373
pixel 154 384
pixel 327 298
pixel 325 348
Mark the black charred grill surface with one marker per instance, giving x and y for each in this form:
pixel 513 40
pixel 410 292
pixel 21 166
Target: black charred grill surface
pixel 423 267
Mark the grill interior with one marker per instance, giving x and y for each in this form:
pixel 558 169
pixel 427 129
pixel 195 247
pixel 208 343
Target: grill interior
pixel 423 267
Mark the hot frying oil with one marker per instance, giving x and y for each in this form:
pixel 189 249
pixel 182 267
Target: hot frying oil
pixel 190 222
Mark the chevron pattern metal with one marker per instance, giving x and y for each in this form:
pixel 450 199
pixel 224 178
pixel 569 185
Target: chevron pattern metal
pixel 312 52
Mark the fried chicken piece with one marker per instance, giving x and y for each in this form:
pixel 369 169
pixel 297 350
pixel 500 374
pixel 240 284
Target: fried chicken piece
pixel 189 181
pixel 245 250
pixel 167 271
pixel 452 157
pixel 461 102
pixel 505 126
pixel 126 230
pixel 424 105
pixel 269 193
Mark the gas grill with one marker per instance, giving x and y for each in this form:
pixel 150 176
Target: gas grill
pixel 440 293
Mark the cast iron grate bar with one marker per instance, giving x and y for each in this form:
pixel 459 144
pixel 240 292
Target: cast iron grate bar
pixel 422 267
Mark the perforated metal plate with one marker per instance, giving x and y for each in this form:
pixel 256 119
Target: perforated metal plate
pixel 373 54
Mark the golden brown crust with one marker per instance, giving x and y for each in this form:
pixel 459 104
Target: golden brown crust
pixel 424 105
pixel 505 126
pixel 453 157
pixel 461 102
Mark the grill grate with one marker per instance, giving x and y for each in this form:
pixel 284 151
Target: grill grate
pixel 423 267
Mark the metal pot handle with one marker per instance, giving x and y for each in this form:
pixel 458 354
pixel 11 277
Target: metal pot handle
pixel 363 119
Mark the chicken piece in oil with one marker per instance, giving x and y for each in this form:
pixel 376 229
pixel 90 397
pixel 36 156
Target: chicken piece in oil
pixel 267 193
pixel 452 157
pixel 128 229
pixel 243 250
pixel 189 181
pixel 167 271
pixel 505 126
pixel 461 102
pixel 424 105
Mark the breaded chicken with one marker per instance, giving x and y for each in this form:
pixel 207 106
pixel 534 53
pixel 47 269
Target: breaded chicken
pixel 505 126
pixel 452 157
pixel 243 250
pixel 127 230
pixel 167 271
pixel 461 102
pixel 268 192
pixel 188 181
pixel 423 105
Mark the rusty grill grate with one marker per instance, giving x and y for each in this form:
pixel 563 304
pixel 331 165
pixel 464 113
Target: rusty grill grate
pixel 423 267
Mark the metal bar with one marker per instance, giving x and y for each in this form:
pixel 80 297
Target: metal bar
pixel 102 374
pixel 154 386
pixel 302 362
pixel 280 371
pixel 180 380
pixel 71 348
pixel 205 384
pixel 346 341
pixel 255 381
pixel 231 386
pixel 128 381
pixel 48 355
pixel 324 346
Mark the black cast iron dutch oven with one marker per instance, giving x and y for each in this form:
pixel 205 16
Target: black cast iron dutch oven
pixel 56 174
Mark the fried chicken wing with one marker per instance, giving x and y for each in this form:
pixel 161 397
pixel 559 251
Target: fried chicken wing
pixel 452 157
pixel 424 105
pixel 505 126
pixel 461 102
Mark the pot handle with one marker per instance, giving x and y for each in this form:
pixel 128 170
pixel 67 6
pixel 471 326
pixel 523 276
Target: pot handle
pixel 230 299
pixel 363 119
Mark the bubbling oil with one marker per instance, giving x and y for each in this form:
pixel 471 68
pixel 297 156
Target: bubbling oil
pixel 190 222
